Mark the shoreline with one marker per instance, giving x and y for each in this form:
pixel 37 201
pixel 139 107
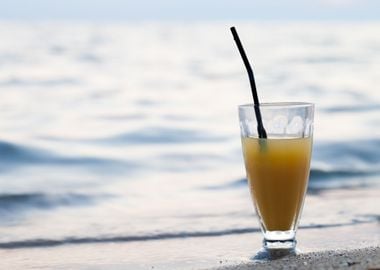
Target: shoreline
pixel 348 239
pixel 330 246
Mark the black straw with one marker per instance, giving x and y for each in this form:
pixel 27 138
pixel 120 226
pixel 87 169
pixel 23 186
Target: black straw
pixel 260 126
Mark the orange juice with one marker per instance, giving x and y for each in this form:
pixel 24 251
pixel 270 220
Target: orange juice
pixel 277 172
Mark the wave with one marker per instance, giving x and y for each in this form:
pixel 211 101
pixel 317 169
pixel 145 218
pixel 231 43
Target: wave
pixel 12 155
pixel 90 57
pixel 320 174
pixel 157 135
pixel 348 154
pixel 41 82
pixel 45 243
pixel 11 202
pixel 150 135
pixel 353 108
pixel 326 60
pixel 13 152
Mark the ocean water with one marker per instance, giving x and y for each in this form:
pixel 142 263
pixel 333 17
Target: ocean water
pixel 129 132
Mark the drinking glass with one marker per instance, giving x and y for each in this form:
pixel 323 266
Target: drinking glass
pixel 278 168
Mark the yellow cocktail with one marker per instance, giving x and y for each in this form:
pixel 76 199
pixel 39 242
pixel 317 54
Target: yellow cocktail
pixel 277 166
pixel 277 175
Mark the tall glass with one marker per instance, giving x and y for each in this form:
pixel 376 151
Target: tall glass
pixel 278 168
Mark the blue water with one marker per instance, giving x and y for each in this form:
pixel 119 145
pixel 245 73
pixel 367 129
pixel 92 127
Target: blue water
pixel 129 132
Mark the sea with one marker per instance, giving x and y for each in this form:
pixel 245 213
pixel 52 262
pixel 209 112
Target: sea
pixel 128 131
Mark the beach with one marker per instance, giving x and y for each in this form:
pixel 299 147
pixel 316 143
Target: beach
pixel 232 253
pixel 321 249
pixel 353 245
pixel 120 144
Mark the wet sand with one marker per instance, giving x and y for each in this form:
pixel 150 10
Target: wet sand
pixel 349 243
pixel 365 258
pixel 343 246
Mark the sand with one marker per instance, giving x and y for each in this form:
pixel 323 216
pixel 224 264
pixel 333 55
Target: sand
pixel 365 258
pixel 351 244
pixel 339 243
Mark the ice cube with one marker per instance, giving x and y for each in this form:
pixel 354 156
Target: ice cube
pixel 295 126
pixel 278 124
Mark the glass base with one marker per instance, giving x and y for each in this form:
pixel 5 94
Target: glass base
pixel 269 254
pixel 277 244
pixel 280 244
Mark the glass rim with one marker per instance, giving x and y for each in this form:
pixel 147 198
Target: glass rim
pixel 278 104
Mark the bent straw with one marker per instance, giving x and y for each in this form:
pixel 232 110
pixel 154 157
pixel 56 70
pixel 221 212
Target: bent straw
pixel 260 126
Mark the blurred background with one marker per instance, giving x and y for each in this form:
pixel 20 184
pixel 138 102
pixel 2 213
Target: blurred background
pixel 118 119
